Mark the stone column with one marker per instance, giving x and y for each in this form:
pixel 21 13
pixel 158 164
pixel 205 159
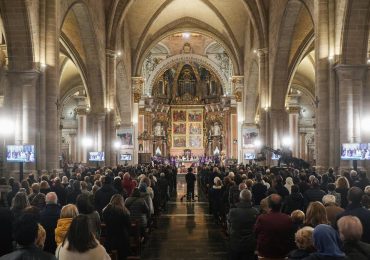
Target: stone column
pixel 351 81
pixel 293 128
pixel 302 146
pixel 51 84
pixel 73 146
pixel 81 134
pixel 278 119
pixel 264 97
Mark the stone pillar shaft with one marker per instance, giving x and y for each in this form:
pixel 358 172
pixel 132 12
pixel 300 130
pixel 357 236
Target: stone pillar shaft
pixel 264 100
pixel 293 128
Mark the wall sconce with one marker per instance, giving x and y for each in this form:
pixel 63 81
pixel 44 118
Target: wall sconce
pixel 235 141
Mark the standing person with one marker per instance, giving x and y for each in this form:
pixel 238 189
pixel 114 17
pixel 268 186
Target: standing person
pixel 6 227
pixel 215 199
pixel 67 214
pixel 85 207
pixel 48 219
pixel 80 243
pixel 190 184
pixel 117 219
pixel 163 191
pixel 241 221
pixel 274 231
pixel 259 190
pixel 104 194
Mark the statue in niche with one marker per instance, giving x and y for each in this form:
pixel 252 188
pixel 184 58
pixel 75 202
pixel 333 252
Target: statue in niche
pixel 158 130
pixel 215 130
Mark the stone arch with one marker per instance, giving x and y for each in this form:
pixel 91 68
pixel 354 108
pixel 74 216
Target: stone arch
pixel 191 25
pixel 251 93
pixel 92 64
pixel 167 63
pixel 356 32
pixel 279 78
pixel 18 34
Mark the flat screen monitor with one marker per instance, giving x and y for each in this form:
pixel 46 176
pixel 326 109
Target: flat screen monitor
pixel 275 156
pixel 249 156
pixel 354 151
pixel 96 157
pixel 20 153
pixel 125 157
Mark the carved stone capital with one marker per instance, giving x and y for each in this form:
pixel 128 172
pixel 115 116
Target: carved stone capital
pixel 294 109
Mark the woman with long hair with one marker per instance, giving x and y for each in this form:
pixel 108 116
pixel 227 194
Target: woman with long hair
pixel 117 219
pixel 342 187
pixel 19 203
pixel 67 214
pixel 80 243
pixel 316 215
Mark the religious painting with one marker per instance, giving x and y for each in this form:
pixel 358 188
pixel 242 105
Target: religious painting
pixel 195 129
pixel 195 141
pixel 179 115
pixel 249 135
pixel 126 136
pixel 179 141
pixel 179 128
pixel 195 116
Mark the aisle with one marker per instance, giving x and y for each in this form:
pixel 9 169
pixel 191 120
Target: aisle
pixel 186 231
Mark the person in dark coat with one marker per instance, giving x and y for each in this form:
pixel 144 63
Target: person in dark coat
pixel 354 208
pixel 294 201
pixel 234 191
pixel 350 230
pixel 61 192
pixel 190 184
pixel 314 193
pixel 25 234
pixel 104 194
pixel 117 220
pixel 73 192
pixel 259 190
pixel 274 231
pixel 215 199
pixel 48 219
pixel 241 221
pixel 6 239
pixel 163 191
pixel 304 243
pixel 15 188
pixel 139 209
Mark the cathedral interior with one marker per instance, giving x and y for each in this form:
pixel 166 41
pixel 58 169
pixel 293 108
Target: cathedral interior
pixel 125 80
pixel 184 107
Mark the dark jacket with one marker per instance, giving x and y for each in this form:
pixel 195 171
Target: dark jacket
pixel 259 191
pixel 318 257
pixel 190 179
pixel 356 250
pixel 274 233
pixel 241 221
pixel 117 229
pixel 215 198
pixel 363 215
pixel 48 219
pixel 6 219
pixel 343 197
pixel 313 194
pixel 292 202
pixel 139 210
pixel 103 196
pixel 234 193
pixel 298 254
pixel 28 253
pixel 61 193
pixel 163 188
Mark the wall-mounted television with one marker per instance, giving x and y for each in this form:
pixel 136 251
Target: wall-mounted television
pixel 249 156
pixel 275 156
pixel 125 157
pixel 20 153
pixel 355 151
pixel 96 157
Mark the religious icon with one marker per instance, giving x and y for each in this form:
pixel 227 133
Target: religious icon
pixel 126 136
pixel 179 141
pixel 195 129
pixel 179 115
pixel 195 116
pixel 158 130
pixel 249 135
pixel 179 128
pixel 195 141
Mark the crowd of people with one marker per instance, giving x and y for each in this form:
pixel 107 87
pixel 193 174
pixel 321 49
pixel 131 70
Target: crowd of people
pixel 279 213
pixel 86 214
pixel 285 213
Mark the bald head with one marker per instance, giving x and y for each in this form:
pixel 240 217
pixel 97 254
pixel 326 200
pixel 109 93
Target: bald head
pixel 275 202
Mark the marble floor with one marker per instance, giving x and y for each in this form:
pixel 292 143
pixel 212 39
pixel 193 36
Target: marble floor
pixel 186 231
